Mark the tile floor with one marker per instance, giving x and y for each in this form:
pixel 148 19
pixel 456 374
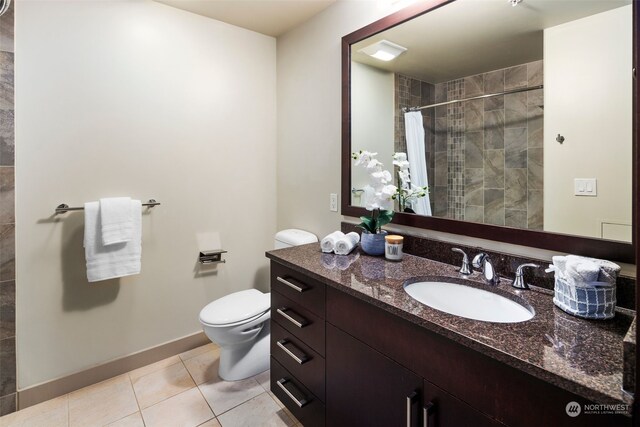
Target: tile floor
pixel 181 391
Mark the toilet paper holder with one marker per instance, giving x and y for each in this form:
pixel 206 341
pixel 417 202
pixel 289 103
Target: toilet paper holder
pixel 211 257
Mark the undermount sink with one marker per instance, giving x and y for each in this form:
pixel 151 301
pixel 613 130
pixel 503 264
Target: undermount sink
pixel 469 302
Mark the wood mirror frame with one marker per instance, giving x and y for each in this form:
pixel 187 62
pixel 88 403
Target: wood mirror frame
pixel 588 246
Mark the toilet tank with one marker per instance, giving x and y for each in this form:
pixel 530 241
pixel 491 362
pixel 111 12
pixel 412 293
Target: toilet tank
pixel 293 237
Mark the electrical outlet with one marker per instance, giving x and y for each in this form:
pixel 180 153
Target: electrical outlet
pixel 333 202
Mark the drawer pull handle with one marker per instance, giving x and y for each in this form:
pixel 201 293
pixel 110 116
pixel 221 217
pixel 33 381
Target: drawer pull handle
pixel 427 411
pixel 410 400
pixel 291 285
pixel 300 403
pixel 299 323
pixel 300 360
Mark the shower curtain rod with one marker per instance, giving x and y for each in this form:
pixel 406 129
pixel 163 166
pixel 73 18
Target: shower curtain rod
pixel 489 95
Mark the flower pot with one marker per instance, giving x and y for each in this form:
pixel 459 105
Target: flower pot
pixel 373 244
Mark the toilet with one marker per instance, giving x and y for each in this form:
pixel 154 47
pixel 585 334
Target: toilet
pixel 239 322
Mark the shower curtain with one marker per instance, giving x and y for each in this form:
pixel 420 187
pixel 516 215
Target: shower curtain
pixel 414 131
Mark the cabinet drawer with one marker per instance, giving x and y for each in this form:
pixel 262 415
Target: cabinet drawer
pixel 299 359
pixel 445 410
pixel 307 292
pixel 298 321
pixel 306 407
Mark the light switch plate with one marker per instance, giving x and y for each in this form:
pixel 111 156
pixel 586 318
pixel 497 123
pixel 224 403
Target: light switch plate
pixel 333 202
pixel 585 187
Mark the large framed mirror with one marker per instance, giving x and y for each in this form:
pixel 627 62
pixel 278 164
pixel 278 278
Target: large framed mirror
pixel 518 115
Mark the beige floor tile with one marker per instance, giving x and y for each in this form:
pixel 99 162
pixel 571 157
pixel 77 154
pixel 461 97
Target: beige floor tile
pixel 146 370
pixel 198 350
pixel 263 379
pixel 133 420
pixel 161 384
pixel 273 396
pixel 102 403
pixel 224 395
pixel 204 367
pixel 52 413
pixel 188 409
pixel 211 423
pixel 260 410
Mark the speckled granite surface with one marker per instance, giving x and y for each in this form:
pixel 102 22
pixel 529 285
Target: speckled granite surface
pixel 582 356
pixel 629 348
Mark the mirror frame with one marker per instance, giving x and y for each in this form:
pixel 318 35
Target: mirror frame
pixel 588 246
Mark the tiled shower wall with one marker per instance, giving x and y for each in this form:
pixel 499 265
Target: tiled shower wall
pixel 410 92
pixel 484 157
pixel 7 220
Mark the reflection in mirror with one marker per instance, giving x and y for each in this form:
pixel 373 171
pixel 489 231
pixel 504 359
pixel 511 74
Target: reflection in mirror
pixel 524 114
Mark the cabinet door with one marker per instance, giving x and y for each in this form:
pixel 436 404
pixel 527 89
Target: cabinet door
pixel 443 410
pixel 365 388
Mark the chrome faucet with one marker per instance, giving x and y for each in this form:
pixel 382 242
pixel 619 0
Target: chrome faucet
pixel 464 269
pixel 519 282
pixel 483 263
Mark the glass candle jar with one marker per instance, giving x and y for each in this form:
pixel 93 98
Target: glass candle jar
pixel 393 247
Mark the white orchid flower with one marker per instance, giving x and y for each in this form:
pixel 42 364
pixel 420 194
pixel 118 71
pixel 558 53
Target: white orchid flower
pixel 374 165
pixel 388 191
pixel 400 157
pixel 364 157
pixel 381 177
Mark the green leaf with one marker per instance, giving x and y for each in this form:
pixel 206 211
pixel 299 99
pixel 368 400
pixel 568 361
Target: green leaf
pixel 368 223
pixel 384 218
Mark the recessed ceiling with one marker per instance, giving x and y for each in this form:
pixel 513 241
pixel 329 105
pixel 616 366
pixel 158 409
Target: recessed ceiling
pixel 469 37
pixel 269 17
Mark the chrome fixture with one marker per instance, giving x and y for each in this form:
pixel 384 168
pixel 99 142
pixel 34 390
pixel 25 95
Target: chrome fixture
pixel 64 208
pixel 483 263
pixel 455 101
pixel 465 269
pixel 4 6
pixel 211 257
pixel 519 282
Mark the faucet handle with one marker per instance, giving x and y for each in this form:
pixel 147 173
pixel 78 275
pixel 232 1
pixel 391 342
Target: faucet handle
pixel 464 269
pixel 477 260
pixel 519 282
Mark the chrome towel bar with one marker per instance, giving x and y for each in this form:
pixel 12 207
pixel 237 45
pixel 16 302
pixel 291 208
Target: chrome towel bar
pixel 64 208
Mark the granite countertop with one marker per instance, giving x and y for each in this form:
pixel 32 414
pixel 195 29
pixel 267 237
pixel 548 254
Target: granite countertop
pixel 582 356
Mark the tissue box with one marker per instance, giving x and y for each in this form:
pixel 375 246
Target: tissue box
pixel 596 300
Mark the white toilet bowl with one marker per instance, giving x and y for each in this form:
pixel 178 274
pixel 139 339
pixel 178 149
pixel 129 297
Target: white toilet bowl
pixel 239 324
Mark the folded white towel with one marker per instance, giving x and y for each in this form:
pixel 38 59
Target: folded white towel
pixel 328 244
pixel 116 260
pixel 116 220
pixel 345 244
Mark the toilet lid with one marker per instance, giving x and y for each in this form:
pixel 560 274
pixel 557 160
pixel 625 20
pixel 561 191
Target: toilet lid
pixel 235 307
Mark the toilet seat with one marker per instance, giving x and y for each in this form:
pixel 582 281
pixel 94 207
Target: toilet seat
pixel 236 308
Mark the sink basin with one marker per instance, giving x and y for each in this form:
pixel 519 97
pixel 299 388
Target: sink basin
pixel 469 302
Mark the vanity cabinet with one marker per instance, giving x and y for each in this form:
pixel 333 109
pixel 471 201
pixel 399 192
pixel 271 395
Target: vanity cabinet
pixel 338 360
pixel 298 344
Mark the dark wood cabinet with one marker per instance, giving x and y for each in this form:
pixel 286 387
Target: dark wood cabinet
pixel 365 388
pixel 340 358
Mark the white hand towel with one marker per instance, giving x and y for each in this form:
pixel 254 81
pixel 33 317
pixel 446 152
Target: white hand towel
pixel 116 260
pixel 116 219
pixel 328 244
pixel 345 244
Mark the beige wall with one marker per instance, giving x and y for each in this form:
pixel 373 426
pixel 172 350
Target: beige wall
pixel 372 119
pixel 136 98
pixel 309 123
pixel 587 99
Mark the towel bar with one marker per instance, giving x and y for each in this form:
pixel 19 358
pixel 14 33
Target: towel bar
pixel 64 208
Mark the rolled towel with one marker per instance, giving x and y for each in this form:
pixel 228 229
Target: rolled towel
pixel 581 271
pixel 328 244
pixel 560 264
pixel 608 270
pixel 346 243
